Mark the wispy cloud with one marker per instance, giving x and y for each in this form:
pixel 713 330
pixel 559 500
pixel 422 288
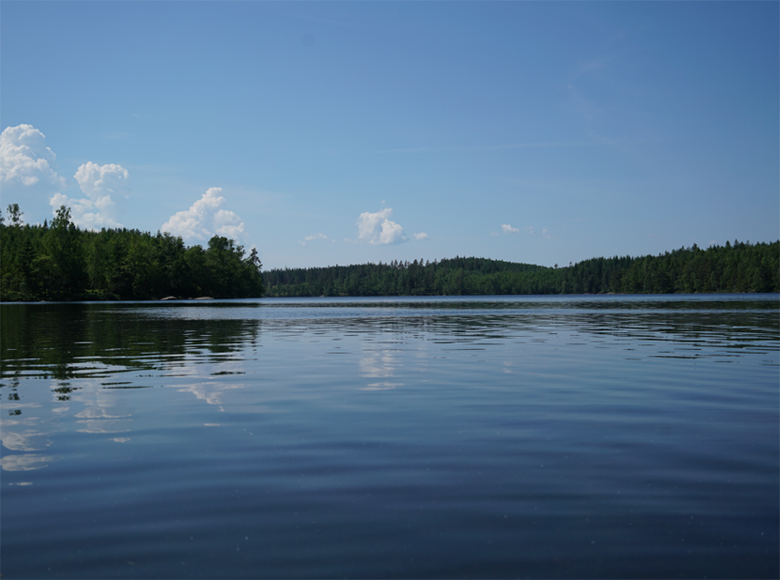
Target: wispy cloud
pixel 528 230
pixel 587 80
pixel 421 236
pixel 466 148
pixel 587 67
pixel 314 237
pixel 585 107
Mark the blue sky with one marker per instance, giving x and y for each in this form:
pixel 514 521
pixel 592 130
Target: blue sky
pixel 345 132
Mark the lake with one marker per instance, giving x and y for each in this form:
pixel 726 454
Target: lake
pixel 487 437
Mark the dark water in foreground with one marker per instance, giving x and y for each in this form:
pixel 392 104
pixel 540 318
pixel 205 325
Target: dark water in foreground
pixel 569 437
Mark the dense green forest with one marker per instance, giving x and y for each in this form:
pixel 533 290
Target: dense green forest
pixel 737 267
pixel 60 261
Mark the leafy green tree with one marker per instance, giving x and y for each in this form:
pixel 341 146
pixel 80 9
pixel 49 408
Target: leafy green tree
pixel 62 245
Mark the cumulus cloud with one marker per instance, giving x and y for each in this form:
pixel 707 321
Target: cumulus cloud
pixel 507 229
pixel 28 173
pixel 26 160
pixel 376 228
pixel 97 181
pixel 28 168
pixel 105 187
pixel 421 236
pixel 204 219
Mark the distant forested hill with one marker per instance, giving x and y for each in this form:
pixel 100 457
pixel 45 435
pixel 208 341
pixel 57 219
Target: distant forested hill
pixel 737 267
pixel 63 262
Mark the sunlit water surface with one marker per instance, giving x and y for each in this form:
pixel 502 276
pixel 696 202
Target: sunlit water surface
pixel 566 437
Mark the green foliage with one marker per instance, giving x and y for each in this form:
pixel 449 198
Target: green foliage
pixel 63 262
pixel 418 278
pixel 740 267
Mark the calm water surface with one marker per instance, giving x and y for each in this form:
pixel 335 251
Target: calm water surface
pixel 570 437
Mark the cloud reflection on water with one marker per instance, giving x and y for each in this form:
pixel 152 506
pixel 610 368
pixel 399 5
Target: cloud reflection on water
pixel 26 462
pixel 92 356
pixel 379 365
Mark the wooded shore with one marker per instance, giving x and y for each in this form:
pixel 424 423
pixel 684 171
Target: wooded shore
pixel 61 262
pixel 737 267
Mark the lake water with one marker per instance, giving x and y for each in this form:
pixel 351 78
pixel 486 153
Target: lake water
pixel 567 437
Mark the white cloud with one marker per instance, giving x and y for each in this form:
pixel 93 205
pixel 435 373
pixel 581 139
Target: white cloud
pixel 508 229
pixel 421 236
pixel 28 167
pixel 28 172
pixel 25 159
pixel 314 237
pixel 204 219
pixel 97 181
pixel 228 224
pixel 104 186
pixel 376 228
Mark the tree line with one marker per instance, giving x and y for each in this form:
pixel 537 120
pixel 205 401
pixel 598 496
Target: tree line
pixel 737 267
pixel 60 261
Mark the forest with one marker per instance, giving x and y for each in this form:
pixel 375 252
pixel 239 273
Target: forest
pixel 737 267
pixel 60 261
